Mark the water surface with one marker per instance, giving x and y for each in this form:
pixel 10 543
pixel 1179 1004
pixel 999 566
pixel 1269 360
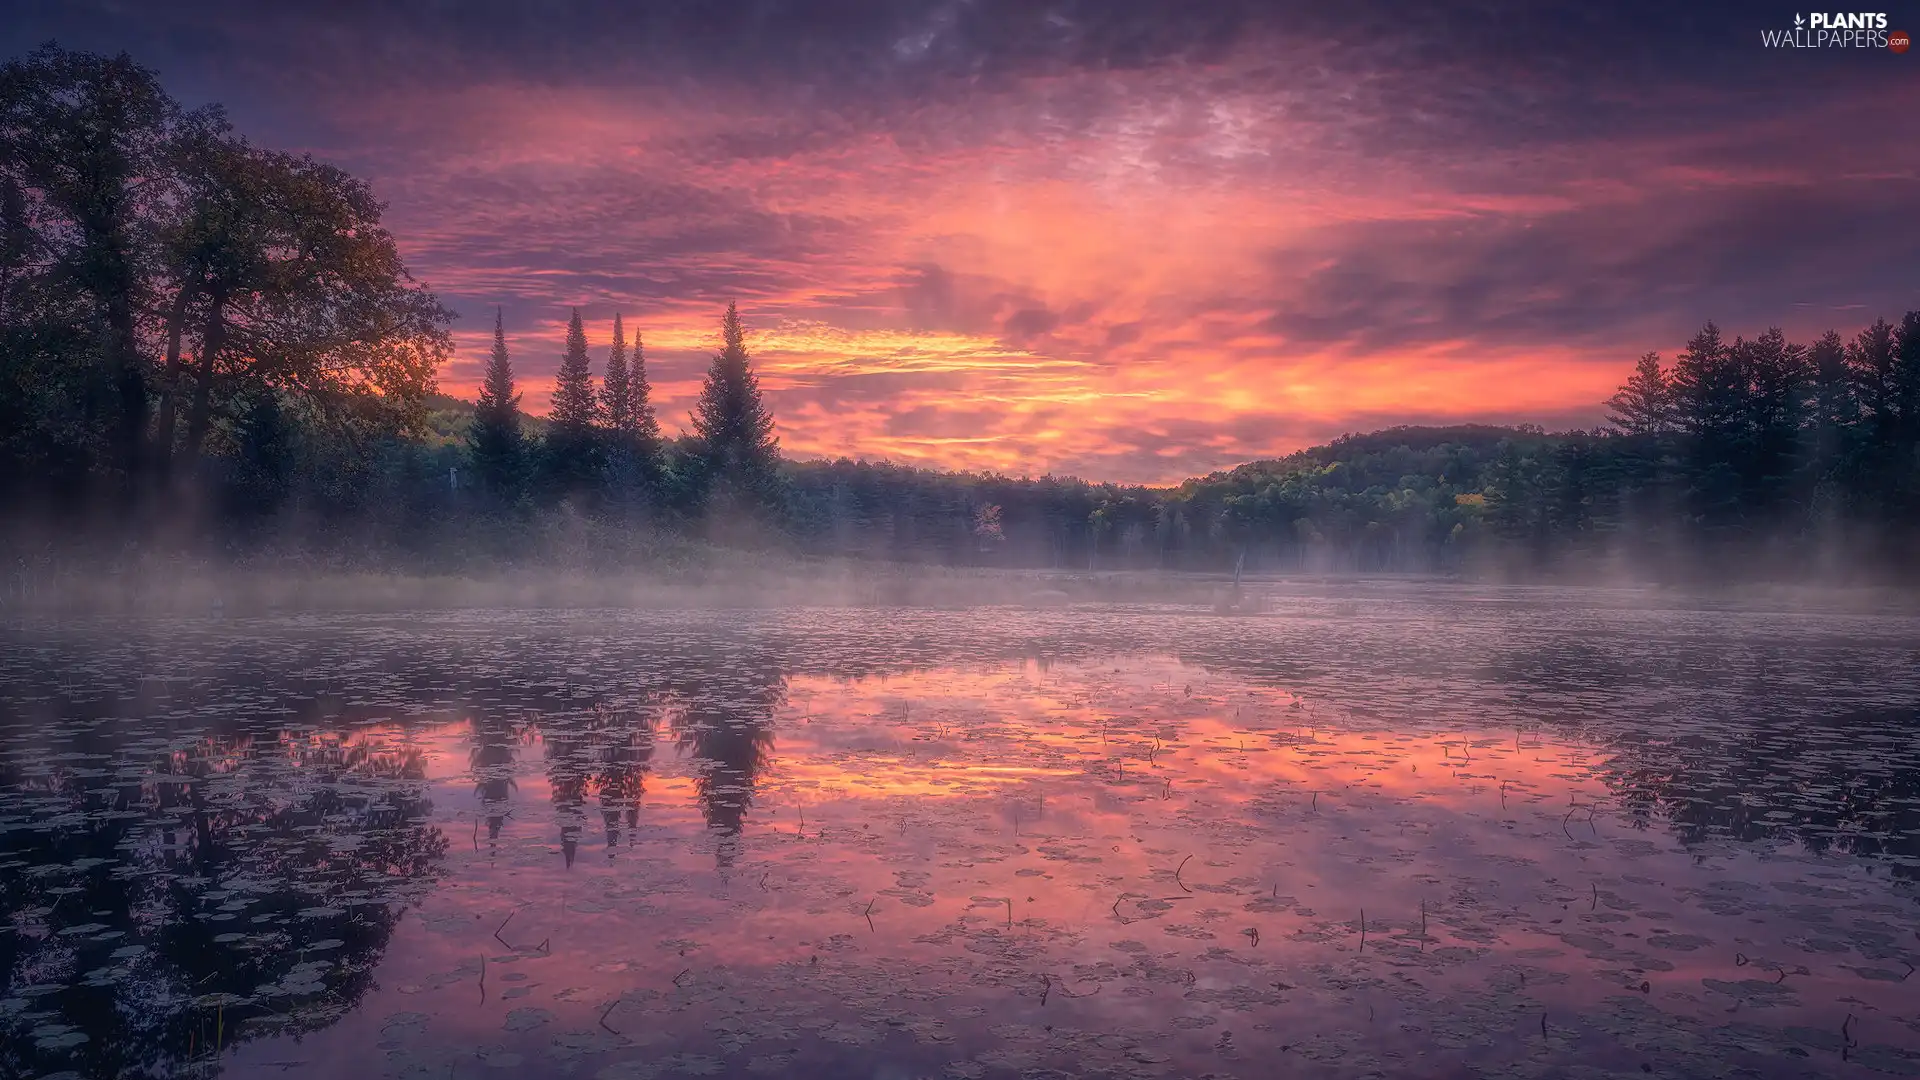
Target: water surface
pixel 1399 832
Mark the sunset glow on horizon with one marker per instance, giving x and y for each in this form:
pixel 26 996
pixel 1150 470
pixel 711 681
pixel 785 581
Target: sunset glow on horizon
pixel 1122 244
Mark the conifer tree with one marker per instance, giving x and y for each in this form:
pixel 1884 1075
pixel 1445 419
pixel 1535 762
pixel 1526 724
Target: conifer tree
pixel 734 450
pixel 494 440
pixel 574 452
pixel 646 426
pixel 575 410
pixel 616 393
pixel 1713 405
pixel 1644 405
pixel 633 460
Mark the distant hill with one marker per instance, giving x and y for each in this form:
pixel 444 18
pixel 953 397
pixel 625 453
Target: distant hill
pixel 449 418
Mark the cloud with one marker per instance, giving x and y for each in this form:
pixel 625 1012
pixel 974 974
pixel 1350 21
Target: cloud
pixel 1127 239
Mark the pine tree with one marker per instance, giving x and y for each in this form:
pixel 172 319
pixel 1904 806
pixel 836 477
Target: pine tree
pixel 1778 384
pixel 494 440
pixel 616 392
pixel 1885 365
pixel 1712 403
pixel 575 410
pixel 1904 398
pixel 646 426
pixel 1644 405
pixel 734 450
pixel 633 459
pixel 574 452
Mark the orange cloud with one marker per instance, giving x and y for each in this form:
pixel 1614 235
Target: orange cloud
pixel 1130 275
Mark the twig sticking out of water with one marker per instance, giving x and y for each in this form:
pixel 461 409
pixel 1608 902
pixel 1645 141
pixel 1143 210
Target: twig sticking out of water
pixel 1363 930
pixel 684 972
pixel 483 978
pixel 609 1012
pixel 1253 935
pixel 1009 912
pixel 1064 992
pixel 869 914
pixel 1176 875
pixel 503 926
pixel 1596 897
pixel 1423 924
pixel 1847 1041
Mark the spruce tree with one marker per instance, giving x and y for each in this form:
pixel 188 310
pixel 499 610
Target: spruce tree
pixel 734 451
pixel 494 440
pixel 574 452
pixel 633 435
pixel 646 427
pixel 616 393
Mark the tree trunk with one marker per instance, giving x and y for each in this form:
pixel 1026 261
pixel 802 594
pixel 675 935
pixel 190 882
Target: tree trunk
pixel 169 386
pixel 129 379
pixel 212 340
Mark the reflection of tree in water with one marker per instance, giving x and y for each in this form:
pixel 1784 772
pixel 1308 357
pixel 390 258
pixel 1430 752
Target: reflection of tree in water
pixel 163 902
pixel 624 752
pixel 605 753
pixel 569 767
pixel 491 759
pixel 726 725
pixel 1847 784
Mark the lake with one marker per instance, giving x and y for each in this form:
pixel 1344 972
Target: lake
pixel 1371 830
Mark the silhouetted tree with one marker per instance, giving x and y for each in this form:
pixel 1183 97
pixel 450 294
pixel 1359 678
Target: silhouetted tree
pixel 494 440
pixel 89 137
pixel 616 392
pixel 1778 386
pixel 646 426
pixel 735 455
pixel 633 452
pixel 575 453
pixel 1834 413
pixel 1712 401
pixel 1644 405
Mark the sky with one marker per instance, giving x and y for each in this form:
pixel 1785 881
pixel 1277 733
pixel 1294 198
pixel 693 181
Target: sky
pixel 1127 241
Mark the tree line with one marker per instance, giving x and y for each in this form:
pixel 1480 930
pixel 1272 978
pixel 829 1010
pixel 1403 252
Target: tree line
pixel 205 344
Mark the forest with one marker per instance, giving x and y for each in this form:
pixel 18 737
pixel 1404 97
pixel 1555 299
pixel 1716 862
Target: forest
pixel 214 349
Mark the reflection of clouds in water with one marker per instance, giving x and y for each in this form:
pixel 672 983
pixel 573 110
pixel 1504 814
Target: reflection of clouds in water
pixel 1138 822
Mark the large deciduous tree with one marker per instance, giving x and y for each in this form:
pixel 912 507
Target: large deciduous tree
pixel 161 279
pixel 285 281
pixel 84 148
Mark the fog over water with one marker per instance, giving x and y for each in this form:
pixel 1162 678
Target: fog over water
pixel 1360 829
